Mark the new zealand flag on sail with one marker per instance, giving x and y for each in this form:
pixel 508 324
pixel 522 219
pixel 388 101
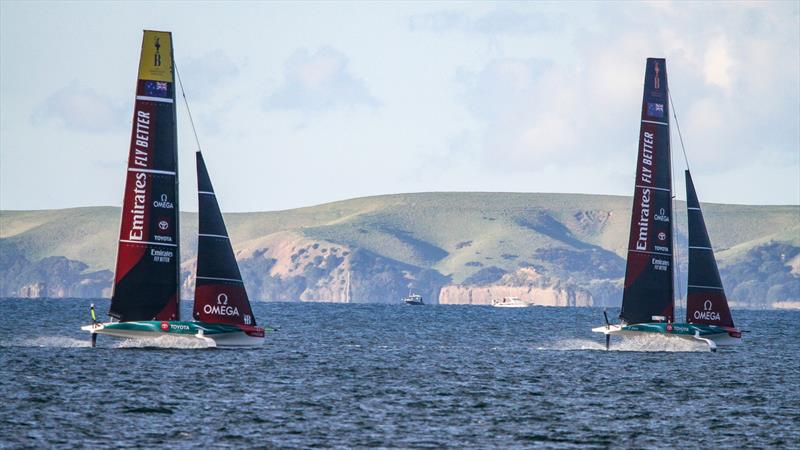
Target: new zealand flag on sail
pixel 156 89
pixel 655 109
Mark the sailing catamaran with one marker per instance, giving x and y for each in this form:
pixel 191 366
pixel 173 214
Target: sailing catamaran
pixel 648 301
pixel 146 296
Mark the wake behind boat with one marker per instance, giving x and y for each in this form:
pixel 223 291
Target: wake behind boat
pixel 648 298
pixel 146 294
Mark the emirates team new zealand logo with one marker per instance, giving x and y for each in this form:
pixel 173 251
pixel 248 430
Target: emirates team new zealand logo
pixel 157 55
pixel 657 81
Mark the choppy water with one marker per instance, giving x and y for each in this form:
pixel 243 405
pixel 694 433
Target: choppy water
pixel 396 376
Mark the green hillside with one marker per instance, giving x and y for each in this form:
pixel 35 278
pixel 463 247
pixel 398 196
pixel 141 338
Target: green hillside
pixel 464 237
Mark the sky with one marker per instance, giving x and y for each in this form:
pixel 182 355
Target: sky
pixel 302 103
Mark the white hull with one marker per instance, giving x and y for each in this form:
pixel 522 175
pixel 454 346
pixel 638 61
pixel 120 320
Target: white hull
pixel 509 302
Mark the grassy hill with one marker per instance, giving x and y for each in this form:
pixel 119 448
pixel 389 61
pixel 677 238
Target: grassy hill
pixel 464 238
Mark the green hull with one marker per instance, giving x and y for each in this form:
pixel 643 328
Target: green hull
pixel 677 328
pixel 216 334
pixel 172 327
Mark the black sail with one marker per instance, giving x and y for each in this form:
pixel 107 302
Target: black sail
pixel 649 284
pixel 706 302
pixel 147 273
pixel 220 296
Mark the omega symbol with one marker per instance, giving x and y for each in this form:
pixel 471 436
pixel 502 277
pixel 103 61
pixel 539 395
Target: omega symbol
pixel 707 305
pixel 222 299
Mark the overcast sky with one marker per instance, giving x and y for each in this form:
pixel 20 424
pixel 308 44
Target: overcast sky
pixel 298 104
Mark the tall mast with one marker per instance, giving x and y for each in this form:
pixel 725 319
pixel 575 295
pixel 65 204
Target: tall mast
pixel 649 284
pixel 147 274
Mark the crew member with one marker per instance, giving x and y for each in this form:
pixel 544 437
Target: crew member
pixel 94 317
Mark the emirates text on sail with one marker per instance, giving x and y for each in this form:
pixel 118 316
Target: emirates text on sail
pixel 647 178
pixel 140 158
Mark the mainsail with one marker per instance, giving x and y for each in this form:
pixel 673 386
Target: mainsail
pixel 649 283
pixel 219 296
pixel 147 270
pixel 705 301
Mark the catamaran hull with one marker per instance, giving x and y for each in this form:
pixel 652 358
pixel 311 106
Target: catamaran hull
pixel 213 334
pixel 718 335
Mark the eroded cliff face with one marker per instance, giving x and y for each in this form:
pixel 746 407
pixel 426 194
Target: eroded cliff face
pixel 54 276
pixel 525 283
pixel 291 267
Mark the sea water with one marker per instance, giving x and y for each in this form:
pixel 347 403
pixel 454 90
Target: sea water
pixel 371 375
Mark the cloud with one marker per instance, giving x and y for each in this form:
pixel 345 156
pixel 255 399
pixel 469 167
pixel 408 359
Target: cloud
pixel 736 93
pixel 319 81
pixel 529 110
pixel 79 108
pixel 207 74
pixel 717 63
pixel 496 22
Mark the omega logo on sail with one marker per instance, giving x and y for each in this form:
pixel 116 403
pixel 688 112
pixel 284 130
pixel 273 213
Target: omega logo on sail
pixel 661 216
pixel 221 308
pixel 707 313
pixel 163 203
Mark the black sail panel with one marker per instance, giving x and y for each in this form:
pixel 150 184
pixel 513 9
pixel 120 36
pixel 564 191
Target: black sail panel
pixel 220 296
pixel 706 302
pixel 147 269
pixel 649 284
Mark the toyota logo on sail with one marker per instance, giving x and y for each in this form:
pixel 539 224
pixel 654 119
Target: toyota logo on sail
pixel 163 225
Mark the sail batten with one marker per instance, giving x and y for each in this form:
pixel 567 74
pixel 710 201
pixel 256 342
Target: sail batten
pixel 649 284
pixel 147 269
pixel 220 295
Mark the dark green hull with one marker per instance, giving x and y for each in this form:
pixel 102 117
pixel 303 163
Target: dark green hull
pixel 720 335
pixel 222 335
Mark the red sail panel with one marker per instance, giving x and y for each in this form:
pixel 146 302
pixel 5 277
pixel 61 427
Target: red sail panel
pixel 147 270
pixel 649 284
pixel 219 296
pixel 706 302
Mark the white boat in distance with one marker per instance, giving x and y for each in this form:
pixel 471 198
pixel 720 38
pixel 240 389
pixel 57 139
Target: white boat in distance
pixel 413 299
pixel 509 302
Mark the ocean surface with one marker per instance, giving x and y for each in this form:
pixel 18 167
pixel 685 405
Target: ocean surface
pixel 396 376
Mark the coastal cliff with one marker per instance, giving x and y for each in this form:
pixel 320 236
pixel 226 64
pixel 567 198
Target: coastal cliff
pixel 453 248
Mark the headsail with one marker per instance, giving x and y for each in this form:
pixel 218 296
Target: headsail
pixel 649 283
pixel 219 295
pixel 147 270
pixel 705 301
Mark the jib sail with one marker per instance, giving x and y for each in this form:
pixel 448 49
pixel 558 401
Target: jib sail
pixel 147 269
pixel 219 295
pixel 649 284
pixel 705 302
